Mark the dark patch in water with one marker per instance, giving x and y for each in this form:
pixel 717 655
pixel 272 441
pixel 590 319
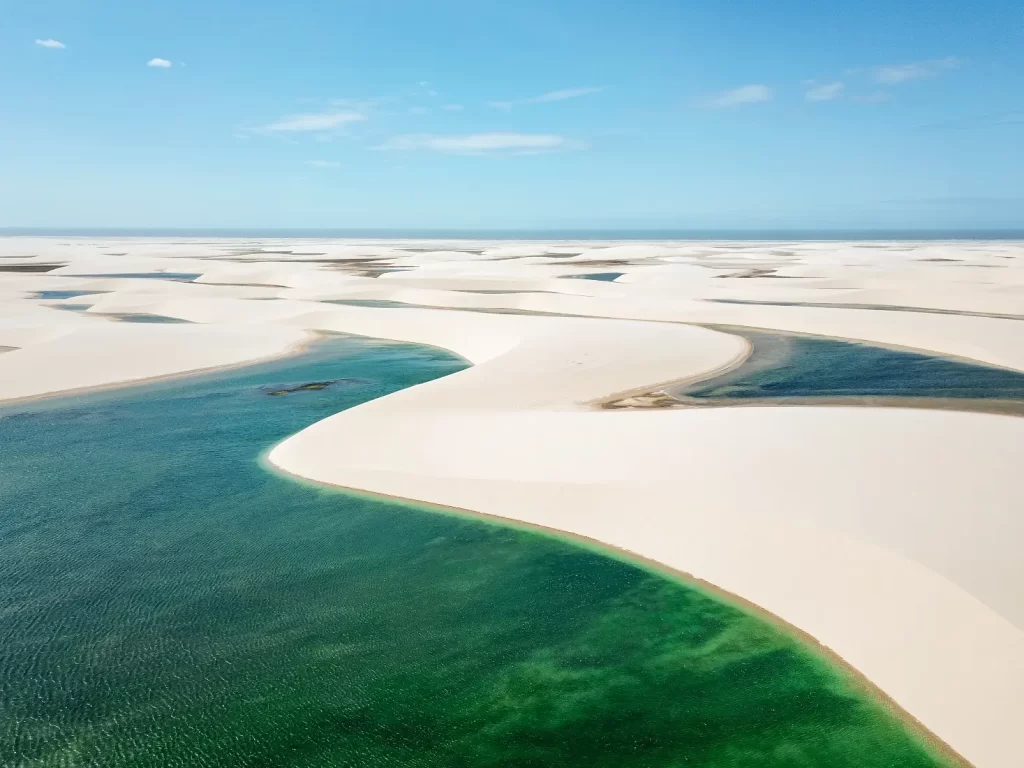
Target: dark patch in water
pixel 315 386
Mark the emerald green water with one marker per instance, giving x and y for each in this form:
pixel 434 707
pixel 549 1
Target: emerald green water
pixel 168 602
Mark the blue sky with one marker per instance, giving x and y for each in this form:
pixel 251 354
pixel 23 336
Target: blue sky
pixel 533 114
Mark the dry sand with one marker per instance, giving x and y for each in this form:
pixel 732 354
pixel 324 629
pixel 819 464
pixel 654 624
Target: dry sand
pixel 891 536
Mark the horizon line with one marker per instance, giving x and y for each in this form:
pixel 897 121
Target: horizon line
pixel 499 233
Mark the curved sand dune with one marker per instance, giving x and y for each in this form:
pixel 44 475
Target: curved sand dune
pixel 891 536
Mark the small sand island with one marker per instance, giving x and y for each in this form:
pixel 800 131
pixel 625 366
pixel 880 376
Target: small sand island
pixel 824 437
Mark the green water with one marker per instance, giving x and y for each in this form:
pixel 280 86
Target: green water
pixel 168 602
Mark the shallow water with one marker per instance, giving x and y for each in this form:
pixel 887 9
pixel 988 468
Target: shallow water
pixel 605 277
pixel 169 602
pixel 136 317
pixel 792 367
pixel 63 294
pixel 874 307
pixel 178 277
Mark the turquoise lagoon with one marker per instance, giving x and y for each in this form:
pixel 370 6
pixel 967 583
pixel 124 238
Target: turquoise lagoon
pixel 169 602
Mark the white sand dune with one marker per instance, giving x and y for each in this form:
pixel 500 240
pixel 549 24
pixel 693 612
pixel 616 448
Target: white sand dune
pixel 891 536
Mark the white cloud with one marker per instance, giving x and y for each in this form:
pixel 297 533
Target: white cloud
pixel 918 70
pixel 317 122
pixel 544 98
pixel 323 163
pixel 452 107
pixel 824 91
pixel 159 63
pixel 50 43
pixel 745 94
pixel 483 143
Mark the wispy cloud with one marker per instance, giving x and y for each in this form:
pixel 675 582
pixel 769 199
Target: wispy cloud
pixel 544 98
pixel 159 64
pixel 483 143
pixel 452 107
pixel 895 74
pixel 50 43
pixel 824 91
pixel 745 94
pixel 312 122
pixel 323 163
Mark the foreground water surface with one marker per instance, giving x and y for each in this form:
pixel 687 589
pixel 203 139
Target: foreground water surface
pixel 169 602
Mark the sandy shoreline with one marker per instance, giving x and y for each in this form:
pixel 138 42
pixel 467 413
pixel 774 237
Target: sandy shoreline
pixel 889 536
pixel 297 349
pixel 857 678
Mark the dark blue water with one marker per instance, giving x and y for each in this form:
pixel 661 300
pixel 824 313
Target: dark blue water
pixel 794 368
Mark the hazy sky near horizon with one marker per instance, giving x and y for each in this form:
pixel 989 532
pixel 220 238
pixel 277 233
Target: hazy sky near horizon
pixel 533 114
